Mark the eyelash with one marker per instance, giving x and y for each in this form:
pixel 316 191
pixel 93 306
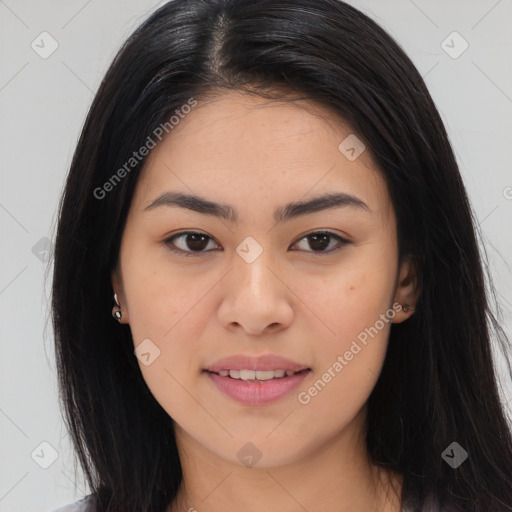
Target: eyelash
pixel 169 242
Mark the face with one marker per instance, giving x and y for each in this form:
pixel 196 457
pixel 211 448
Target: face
pixel 316 285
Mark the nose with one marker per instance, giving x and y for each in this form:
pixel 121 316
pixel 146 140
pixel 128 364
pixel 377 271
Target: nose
pixel 257 299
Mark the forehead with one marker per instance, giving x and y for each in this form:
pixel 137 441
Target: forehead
pixel 235 146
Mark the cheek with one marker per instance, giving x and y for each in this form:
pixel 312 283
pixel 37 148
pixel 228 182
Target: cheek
pixel 350 297
pixel 170 313
pixel 167 310
pixel 348 361
pixel 164 300
pixel 354 309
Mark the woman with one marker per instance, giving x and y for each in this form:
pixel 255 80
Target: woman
pixel 268 292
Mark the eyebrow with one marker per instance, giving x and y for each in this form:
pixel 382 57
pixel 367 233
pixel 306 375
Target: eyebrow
pixel 281 214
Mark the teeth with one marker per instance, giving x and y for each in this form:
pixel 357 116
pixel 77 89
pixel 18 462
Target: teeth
pixel 255 375
pixel 245 374
pixel 265 374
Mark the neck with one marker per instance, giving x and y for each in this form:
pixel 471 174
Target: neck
pixel 334 476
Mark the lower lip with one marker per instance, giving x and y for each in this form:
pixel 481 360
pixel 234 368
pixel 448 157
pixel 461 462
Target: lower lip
pixel 256 392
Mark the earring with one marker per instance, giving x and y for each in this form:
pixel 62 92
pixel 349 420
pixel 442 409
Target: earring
pixel 116 310
pixel 406 307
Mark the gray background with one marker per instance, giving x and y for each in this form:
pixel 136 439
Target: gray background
pixel 43 103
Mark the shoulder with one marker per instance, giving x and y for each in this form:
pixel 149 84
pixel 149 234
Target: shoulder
pixel 82 505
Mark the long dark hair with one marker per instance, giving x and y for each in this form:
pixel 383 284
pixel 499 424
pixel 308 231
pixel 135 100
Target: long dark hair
pixel 438 384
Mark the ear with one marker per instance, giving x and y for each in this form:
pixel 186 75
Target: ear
pixel 117 287
pixel 408 287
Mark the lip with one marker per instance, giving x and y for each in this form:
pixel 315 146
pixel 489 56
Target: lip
pixel 256 392
pixel 264 362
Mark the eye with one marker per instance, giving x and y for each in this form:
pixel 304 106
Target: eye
pixel 194 243
pixel 321 239
pixel 192 240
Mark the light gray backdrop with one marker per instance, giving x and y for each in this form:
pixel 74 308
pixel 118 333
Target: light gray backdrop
pixel 53 56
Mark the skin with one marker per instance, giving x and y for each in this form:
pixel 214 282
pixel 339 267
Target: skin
pixel 294 300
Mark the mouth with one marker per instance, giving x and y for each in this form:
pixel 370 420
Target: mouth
pixel 256 388
pixel 258 375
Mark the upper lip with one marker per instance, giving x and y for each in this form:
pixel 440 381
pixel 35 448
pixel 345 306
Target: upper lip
pixel 265 362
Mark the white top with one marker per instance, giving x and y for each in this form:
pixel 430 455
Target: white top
pixel 82 505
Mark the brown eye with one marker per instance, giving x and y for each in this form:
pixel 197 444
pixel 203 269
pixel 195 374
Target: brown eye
pixel 320 240
pixel 191 242
pixel 195 243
